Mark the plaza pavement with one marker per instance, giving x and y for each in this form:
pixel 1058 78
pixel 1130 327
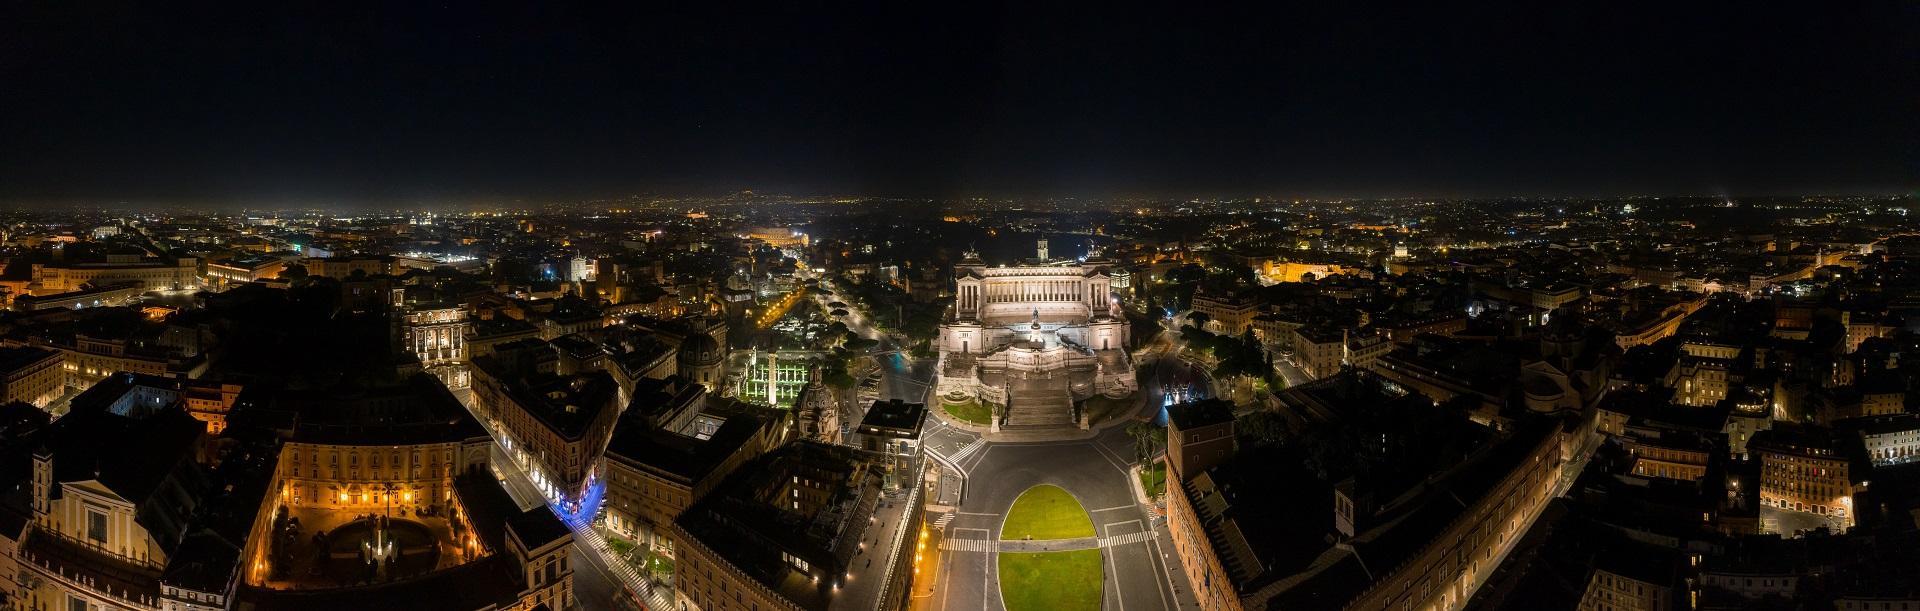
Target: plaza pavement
pixel 1095 473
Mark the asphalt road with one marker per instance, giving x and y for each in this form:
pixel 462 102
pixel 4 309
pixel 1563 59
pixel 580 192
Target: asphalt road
pixel 1095 473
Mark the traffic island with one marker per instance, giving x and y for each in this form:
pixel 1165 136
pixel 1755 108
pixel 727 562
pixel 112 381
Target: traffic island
pixel 1050 580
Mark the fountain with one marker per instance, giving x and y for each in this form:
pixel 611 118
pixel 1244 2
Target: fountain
pixel 380 549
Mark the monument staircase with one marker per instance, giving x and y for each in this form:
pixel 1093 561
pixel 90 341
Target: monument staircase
pixel 1040 407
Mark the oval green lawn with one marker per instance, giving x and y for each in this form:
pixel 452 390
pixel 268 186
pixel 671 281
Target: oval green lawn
pixel 1051 581
pixel 1046 512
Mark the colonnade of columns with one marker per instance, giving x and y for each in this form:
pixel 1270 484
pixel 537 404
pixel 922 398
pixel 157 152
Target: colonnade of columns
pixel 442 343
pixel 972 296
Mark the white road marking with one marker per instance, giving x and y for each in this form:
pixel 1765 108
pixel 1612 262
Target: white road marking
pixel 1113 568
pixel 1117 465
pixel 1166 573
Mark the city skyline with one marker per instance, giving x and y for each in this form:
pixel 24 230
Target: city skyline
pixel 907 307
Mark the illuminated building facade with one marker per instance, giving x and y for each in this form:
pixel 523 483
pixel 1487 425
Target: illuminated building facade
pixel 1227 314
pixel 1891 440
pixel 1319 350
pixel 1053 332
pixel 1802 470
pixel 554 426
pixel 437 335
pixel 182 273
pixel 333 459
pixel 31 375
pixel 88 360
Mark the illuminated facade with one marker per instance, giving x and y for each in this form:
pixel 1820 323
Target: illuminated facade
pixel 1892 440
pixel 87 360
pixel 1656 457
pixel 1630 590
pixel 553 426
pixel 437 335
pixel 1319 351
pixel 31 375
pixel 1049 330
pixel 1228 315
pixel 183 273
pixel 1802 470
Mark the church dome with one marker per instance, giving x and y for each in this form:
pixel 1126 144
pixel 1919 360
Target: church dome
pixel 700 349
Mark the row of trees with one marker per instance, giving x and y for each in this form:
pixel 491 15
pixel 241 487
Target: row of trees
pixel 1235 356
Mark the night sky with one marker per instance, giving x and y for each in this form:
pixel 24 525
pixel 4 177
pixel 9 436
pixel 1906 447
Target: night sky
pixel 393 102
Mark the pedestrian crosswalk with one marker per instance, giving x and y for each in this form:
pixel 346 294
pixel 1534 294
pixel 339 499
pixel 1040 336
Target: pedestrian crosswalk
pixel 969 545
pixel 968 450
pixel 945 519
pixel 635 584
pixel 1127 539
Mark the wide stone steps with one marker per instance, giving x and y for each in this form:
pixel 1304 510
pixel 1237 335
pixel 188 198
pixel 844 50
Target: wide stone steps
pixel 1041 409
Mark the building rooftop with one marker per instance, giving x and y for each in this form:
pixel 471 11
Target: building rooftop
pixel 567 404
pixel 1200 413
pixel 144 454
pixel 751 522
pixel 688 458
pixel 13 359
pixel 894 418
pixel 419 410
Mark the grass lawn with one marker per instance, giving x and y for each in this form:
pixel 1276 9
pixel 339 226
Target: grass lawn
pixel 1046 512
pixel 1051 581
pixel 1154 479
pixel 970 411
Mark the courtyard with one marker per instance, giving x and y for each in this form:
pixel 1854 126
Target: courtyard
pixel 325 548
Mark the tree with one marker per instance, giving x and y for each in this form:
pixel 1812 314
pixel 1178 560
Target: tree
pixel 836 329
pixel 1141 433
pixel 856 344
pixel 1261 429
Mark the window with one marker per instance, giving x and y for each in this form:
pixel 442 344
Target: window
pixel 75 603
pixel 96 528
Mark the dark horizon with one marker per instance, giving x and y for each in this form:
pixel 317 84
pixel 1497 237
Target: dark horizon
pixel 405 105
